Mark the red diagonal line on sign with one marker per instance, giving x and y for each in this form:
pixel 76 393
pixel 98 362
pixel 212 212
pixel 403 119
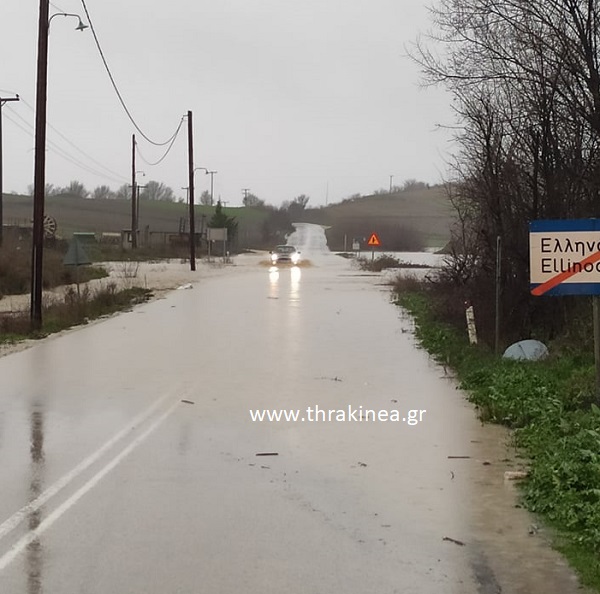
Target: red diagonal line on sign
pixel 563 276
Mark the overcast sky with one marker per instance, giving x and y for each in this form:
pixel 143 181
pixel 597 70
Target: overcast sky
pixel 289 97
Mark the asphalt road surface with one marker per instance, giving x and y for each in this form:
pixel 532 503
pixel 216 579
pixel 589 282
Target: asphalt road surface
pixel 129 460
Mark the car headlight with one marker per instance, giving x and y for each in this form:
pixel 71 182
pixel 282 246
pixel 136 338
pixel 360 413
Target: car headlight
pixel 295 258
pixel 273 258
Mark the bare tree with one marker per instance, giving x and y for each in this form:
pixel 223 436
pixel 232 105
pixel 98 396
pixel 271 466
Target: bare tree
pixel 205 198
pixel 103 193
pixel 76 188
pixel 252 200
pixel 525 77
pixel 157 191
pixel 123 193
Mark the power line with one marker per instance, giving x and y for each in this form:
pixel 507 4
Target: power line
pixel 167 151
pixel 112 173
pixel 114 84
pixel 56 149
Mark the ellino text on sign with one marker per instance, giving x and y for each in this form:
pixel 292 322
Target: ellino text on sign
pixel 565 257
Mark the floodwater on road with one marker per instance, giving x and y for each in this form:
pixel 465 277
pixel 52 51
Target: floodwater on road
pixel 132 457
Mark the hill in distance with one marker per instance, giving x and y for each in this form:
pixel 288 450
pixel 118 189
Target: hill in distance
pixel 422 212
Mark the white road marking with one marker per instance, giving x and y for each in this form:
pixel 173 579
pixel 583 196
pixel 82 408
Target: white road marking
pixel 11 523
pixel 31 536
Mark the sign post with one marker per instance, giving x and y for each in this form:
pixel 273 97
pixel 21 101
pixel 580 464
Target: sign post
pixel 564 258
pixel 373 242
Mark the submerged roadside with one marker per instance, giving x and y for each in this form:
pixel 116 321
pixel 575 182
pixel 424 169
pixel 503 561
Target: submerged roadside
pixel 124 285
pixel 554 423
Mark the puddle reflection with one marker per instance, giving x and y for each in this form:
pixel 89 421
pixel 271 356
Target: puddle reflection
pixel 34 554
pixel 273 282
pixel 295 276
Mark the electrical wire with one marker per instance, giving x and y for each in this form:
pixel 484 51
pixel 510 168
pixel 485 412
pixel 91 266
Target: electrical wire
pixel 112 173
pixel 167 151
pixel 56 149
pixel 114 84
pixel 57 7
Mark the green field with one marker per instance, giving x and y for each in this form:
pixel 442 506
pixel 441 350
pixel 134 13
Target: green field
pixel 423 213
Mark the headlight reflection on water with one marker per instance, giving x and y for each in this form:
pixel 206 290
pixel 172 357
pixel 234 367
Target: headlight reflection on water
pixel 273 282
pixel 295 276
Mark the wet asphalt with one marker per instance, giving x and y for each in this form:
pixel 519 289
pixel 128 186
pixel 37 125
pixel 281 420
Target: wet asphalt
pixel 129 461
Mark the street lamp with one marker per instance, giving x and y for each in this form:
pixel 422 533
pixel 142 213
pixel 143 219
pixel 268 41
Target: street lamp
pixel 80 27
pixel 39 181
pixel 211 173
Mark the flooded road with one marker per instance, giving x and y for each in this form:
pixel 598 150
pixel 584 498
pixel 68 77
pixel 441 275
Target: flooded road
pixel 132 457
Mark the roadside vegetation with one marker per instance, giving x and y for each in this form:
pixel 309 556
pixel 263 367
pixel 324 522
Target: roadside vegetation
pixel 75 306
pixel 384 262
pixel 551 407
pixel 525 81
pixel 15 267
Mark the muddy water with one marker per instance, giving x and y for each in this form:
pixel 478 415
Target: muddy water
pixel 506 548
pixel 179 501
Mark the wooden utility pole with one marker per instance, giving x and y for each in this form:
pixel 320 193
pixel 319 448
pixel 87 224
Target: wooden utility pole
pixel 133 197
pixel 39 176
pixel 191 191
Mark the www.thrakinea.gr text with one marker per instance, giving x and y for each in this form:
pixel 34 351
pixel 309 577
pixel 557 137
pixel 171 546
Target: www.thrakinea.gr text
pixel 349 414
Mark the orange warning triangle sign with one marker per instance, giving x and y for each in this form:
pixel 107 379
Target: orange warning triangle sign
pixel 373 240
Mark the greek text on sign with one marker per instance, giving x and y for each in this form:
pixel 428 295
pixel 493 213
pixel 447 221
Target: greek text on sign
pixel 564 257
pixel 373 240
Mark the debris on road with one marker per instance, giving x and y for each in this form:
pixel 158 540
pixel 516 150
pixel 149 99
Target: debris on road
pixel 515 475
pixel 459 457
pixel 533 529
pixel 453 540
pixel 268 454
pixel 188 402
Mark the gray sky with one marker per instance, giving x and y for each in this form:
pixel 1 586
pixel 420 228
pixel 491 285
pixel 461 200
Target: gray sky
pixel 289 97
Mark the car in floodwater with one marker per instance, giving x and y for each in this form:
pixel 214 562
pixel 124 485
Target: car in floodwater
pixel 285 253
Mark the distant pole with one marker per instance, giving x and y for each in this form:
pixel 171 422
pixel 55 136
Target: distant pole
pixel 212 173
pixel 246 191
pixel 39 177
pixel 391 178
pixel 133 197
pixel 191 191
pixel 3 100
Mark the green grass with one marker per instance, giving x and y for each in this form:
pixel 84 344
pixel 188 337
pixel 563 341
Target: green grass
pixel 550 405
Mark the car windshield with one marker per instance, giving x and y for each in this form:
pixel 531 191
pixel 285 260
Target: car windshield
pixel 285 249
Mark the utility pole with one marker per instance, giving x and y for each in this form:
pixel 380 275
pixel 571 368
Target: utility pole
pixel 39 178
pixel 391 178
pixel 246 191
pixel 211 173
pixel 3 100
pixel 191 191
pixel 133 197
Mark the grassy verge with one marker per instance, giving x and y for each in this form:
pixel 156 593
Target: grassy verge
pixel 384 262
pixel 550 406
pixel 72 310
